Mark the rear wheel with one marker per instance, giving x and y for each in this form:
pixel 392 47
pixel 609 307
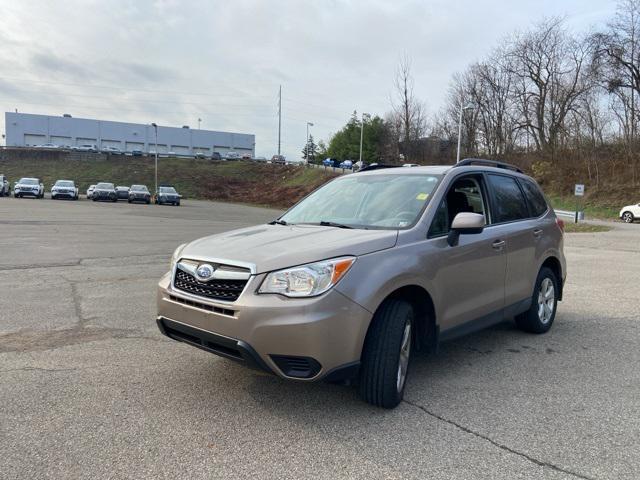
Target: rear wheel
pixel 387 354
pixel 540 316
pixel 627 217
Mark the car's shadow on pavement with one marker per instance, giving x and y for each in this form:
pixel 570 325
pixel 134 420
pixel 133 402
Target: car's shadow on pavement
pixel 488 355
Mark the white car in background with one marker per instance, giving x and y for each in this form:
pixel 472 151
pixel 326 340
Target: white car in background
pixel 28 187
pixel 90 191
pixel 232 156
pixel 112 150
pixel 64 189
pixel 629 213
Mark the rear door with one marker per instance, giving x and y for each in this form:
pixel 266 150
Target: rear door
pixel 520 232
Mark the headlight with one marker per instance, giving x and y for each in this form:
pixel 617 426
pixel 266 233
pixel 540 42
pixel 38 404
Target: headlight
pixel 176 255
pixel 307 280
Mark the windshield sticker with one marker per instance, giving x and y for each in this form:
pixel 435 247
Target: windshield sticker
pixel 422 196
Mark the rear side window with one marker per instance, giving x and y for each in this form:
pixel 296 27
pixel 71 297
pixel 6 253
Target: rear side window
pixel 509 203
pixel 537 203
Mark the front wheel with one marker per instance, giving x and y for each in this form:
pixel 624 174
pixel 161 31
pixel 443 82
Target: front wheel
pixel 540 316
pixel 386 354
pixel 627 217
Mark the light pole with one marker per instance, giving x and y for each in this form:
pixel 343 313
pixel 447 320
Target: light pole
pixel 155 127
pixel 199 120
pixel 306 150
pixel 367 116
pixel 462 109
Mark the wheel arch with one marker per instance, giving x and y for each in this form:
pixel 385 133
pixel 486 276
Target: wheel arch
pixel 553 263
pixel 421 300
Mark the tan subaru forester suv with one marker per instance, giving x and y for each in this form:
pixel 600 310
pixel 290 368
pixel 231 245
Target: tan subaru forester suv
pixel 370 267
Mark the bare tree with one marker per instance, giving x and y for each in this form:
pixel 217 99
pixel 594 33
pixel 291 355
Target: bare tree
pixel 618 58
pixel 409 113
pixel 551 71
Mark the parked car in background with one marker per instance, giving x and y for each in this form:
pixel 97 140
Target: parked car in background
pixel 136 153
pixel 122 192
pixel 64 189
pixel 90 191
pixel 50 146
pixel 630 213
pixel 216 156
pixel 171 154
pixel 5 186
pixel 410 165
pixel 112 150
pixel 139 193
pixel 200 155
pixel 279 159
pixel 104 192
pixel 232 156
pixel 441 258
pixel 87 147
pixel 28 187
pixel 246 156
pixel 167 196
pixel 348 164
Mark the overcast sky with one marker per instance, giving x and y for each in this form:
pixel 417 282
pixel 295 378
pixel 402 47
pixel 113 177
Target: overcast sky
pixel 174 61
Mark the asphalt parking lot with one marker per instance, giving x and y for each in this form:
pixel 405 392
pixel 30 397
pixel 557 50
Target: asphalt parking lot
pixel 90 389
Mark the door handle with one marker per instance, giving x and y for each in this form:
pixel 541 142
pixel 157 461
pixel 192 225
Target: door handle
pixel 537 232
pixel 498 244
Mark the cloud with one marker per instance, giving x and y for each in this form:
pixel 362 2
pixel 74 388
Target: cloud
pixel 174 61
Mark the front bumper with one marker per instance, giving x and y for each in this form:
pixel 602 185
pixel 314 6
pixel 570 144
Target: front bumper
pixel 31 193
pixel 63 194
pixel 281 334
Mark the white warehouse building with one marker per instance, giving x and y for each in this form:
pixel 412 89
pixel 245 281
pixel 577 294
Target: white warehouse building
pixel 26 129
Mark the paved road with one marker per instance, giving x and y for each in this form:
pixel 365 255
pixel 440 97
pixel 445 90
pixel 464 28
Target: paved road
pixel 90 389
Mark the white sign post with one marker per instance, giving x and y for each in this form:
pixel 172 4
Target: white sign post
pixel 578 192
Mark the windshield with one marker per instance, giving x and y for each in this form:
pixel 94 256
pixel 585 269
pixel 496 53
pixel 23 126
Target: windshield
pixel 28 181
pixel 167 190
pixel 366 201
pixel 140 188
pixel 105 186
pixel 64 183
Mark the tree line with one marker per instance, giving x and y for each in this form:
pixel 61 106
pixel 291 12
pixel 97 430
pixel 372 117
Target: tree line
pixel 547 98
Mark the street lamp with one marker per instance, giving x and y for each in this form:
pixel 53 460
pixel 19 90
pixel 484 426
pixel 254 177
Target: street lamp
pixel 155 127
pixel 306 150
pixel 367 116
pixel 199 120
pixel 468 107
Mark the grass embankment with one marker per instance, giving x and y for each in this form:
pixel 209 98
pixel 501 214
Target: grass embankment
pixel 238 181
pixel 584 228
pixel 593 206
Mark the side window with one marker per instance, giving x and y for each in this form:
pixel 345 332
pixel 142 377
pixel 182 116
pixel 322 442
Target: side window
pixel 510 204
pixel 537 203
pixel 465 195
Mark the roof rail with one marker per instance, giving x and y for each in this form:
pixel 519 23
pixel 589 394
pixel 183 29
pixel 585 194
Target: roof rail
pixel 487 163
pixel 376 166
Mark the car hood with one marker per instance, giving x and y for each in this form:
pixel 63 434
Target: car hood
pixel 26 185
pixel 139 191
pixel 272 247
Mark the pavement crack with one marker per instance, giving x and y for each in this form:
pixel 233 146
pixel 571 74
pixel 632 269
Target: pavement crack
pixel 499 445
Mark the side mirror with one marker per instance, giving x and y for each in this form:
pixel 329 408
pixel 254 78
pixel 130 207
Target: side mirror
pixel 465 223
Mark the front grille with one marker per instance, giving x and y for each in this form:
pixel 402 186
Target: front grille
pixel 203 306
pixel 228 290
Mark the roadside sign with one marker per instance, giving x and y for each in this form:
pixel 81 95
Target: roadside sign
pixel 579 191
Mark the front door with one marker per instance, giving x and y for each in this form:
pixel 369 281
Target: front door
pixel 470 276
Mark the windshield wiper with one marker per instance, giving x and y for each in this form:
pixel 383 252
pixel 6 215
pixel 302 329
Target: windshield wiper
pixel 277 222
pixel 334 224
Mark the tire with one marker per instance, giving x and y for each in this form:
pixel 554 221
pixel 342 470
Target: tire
pixel 386 354
pixel 627 217
pixel 148 202
pixel 539 318
pixel 129 201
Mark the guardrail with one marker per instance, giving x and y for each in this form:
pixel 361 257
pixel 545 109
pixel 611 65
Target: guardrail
pixel 574 215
